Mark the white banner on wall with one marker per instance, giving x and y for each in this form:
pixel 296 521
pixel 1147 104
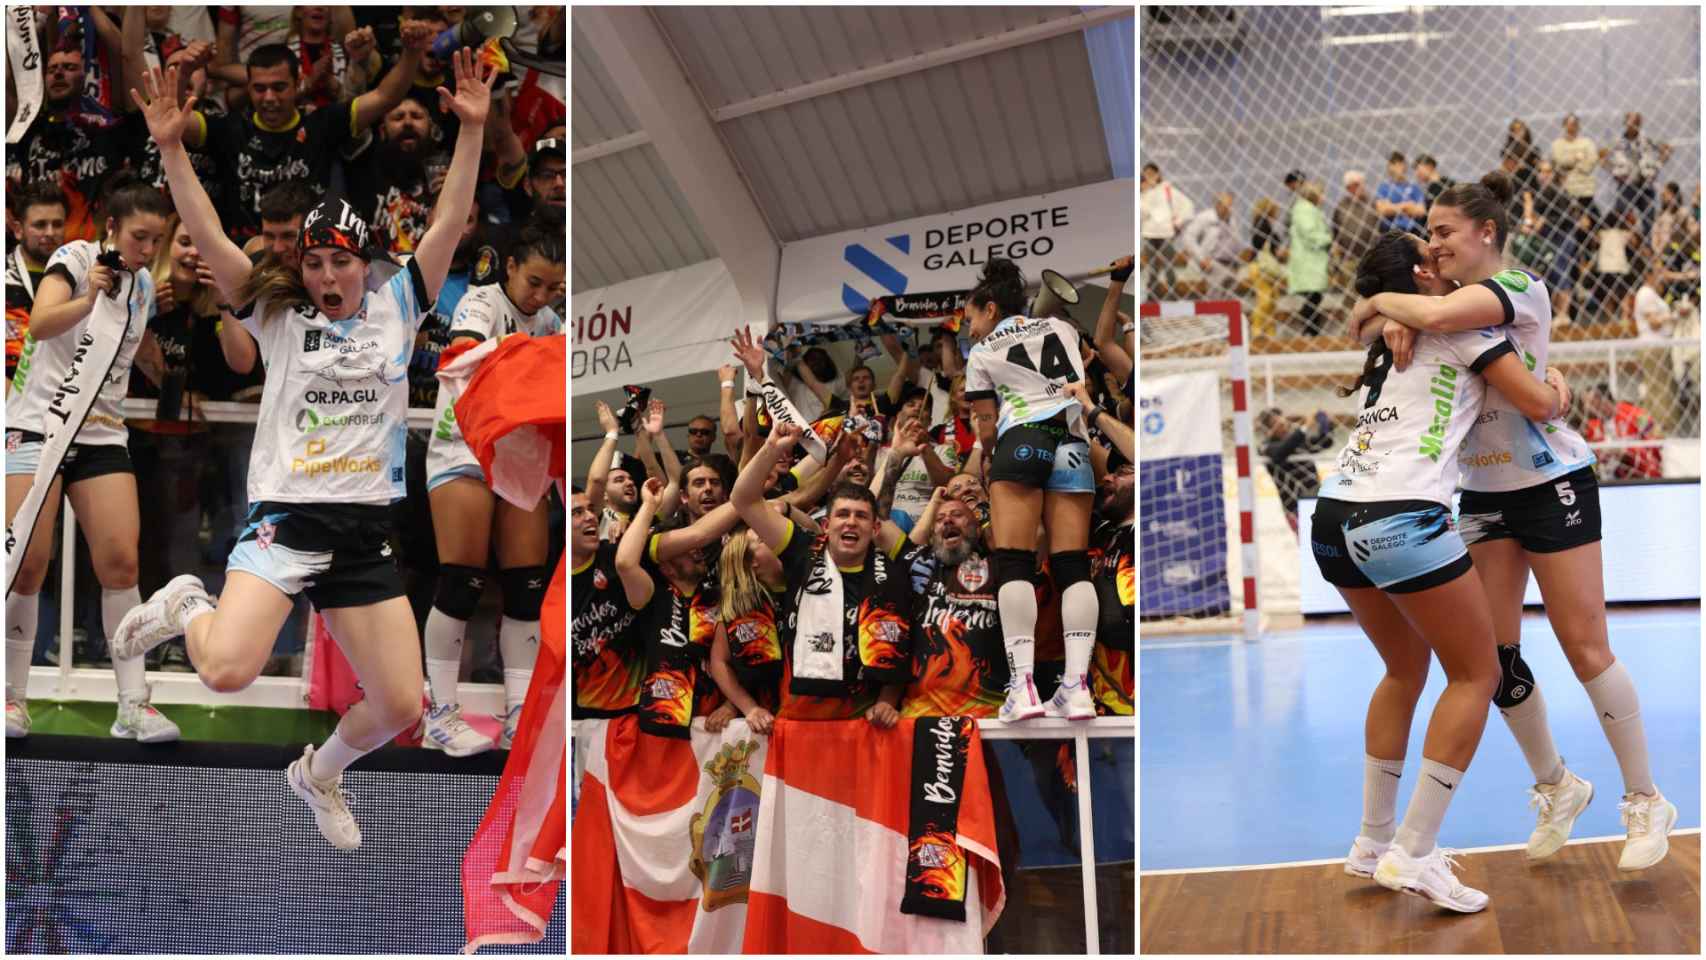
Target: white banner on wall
pixel 1179 416
pixel 835 277
pixel 665 325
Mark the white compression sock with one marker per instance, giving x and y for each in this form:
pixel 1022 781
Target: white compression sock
pixel 443 635
pixel 1619 712
pixel 1078 612
pixel 1017 601
pixel 131 674
pixel 1434 788
pixel 1380 797
pixel 333 758
pixel 518 644
pixel 21 610
pixel 1533 734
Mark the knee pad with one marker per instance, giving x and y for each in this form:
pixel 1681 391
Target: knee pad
pixel 1069 567
pixel 459 589
pixel 1516 680
pixel 1012 565
pixel 524 591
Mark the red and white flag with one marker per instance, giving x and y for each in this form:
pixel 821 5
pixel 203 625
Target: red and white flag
pixel 792 843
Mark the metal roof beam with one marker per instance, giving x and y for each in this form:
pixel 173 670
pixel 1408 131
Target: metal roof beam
pixel 921 61
pixel 641 64
pixel 605 148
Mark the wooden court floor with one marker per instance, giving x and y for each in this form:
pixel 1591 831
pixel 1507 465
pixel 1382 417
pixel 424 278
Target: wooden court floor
pixel 1575 902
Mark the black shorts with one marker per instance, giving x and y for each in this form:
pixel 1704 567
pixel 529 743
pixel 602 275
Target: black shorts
pixel 1044 456
pixel 1399 546
pixel 1545 518
pixel 340 554
pixel 84 461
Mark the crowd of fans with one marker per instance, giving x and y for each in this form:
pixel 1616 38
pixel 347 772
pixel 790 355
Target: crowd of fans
pixel 295 105
pixel 1594 257
pixel 691 573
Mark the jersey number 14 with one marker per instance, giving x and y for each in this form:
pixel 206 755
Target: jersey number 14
pixel 1056 365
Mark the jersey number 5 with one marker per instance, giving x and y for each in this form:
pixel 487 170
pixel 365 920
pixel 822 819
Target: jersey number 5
pixel 1056 364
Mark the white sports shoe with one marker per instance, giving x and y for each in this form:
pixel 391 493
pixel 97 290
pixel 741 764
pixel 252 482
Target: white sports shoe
pixel 329 802
pixel 1559 805
pixel 1429 877
pixel 1022 702
pixel 1364 856
pixel 1071 700
pixel 138 720
pixel 1649 820
pixel 511 718
pixel 447 731
pixel 159 618
pixel 17 719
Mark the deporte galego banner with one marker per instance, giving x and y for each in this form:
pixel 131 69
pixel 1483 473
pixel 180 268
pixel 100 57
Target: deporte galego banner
pixel 836 277
pixel 652 328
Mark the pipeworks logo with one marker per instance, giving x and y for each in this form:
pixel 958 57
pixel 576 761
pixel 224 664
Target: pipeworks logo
pixel 332 465
pixel 309 420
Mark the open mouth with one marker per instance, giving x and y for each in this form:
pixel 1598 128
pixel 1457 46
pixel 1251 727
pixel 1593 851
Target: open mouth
pixel 849 538
pixel 333 300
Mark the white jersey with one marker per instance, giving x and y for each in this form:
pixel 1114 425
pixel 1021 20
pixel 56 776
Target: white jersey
pixel 484 312
pixel 1411 424
pixel 44 363
pixel 1022 365
pixel 1506 450
pixel 333 412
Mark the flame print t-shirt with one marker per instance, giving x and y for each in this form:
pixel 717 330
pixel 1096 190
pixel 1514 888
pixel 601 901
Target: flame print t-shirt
pixel 608 667
pixel 959 664
pixel 1112 547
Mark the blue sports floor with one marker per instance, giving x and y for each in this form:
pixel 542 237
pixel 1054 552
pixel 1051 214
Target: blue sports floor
pixel 1252 753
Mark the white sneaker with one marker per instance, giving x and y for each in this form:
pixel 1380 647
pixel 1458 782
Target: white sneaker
pixel 138 720
pixel 329 802
pixel 511 718
pixel 446 730
pixel 17 719
pixel 1071 700
pixel 159 618
pixel 1429 877
pixel 1649 820
pixel 1022 701
pixel 1364 856
pixel 1559 805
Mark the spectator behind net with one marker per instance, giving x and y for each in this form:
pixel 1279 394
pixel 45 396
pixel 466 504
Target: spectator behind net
pixel 1283 437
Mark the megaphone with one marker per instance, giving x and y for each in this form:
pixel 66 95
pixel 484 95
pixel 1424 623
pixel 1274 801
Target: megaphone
pixel 479 25
pixel 1055 292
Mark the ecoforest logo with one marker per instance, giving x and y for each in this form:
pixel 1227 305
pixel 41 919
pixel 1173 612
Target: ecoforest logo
pixel 309 420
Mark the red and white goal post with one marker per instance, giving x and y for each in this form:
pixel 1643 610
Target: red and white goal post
pixel 1199 567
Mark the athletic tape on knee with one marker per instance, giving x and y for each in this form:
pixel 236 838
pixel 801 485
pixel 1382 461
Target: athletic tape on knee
pixel 459 589
pixel 524 591
pixel 1516 680
pixel 1069 567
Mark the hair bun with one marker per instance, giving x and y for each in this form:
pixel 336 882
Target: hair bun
pixel 1001 270
pixel 1500 186
pixel 1367 285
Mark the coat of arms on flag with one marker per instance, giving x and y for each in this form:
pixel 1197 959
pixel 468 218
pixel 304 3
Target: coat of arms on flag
pixel 722 836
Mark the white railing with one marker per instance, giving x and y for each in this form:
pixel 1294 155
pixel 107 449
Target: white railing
pixel 1046 728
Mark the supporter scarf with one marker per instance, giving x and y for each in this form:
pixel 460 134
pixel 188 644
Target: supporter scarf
pixel 945 307
pixel 23 50
pixel 824 663
pixel 782 410
pixel 97 350
pixel 339 59
pixel 935 862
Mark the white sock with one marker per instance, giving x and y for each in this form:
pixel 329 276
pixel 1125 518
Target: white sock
pixel 1434 788
pixel 518 644
pixel 443 635
pixel 21 610
pixel 132 679
pixel 333 758
pixel 1380 797
pixel 1017 601
pixel 1078 612
pixel 1533 734
pixel 1619 712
